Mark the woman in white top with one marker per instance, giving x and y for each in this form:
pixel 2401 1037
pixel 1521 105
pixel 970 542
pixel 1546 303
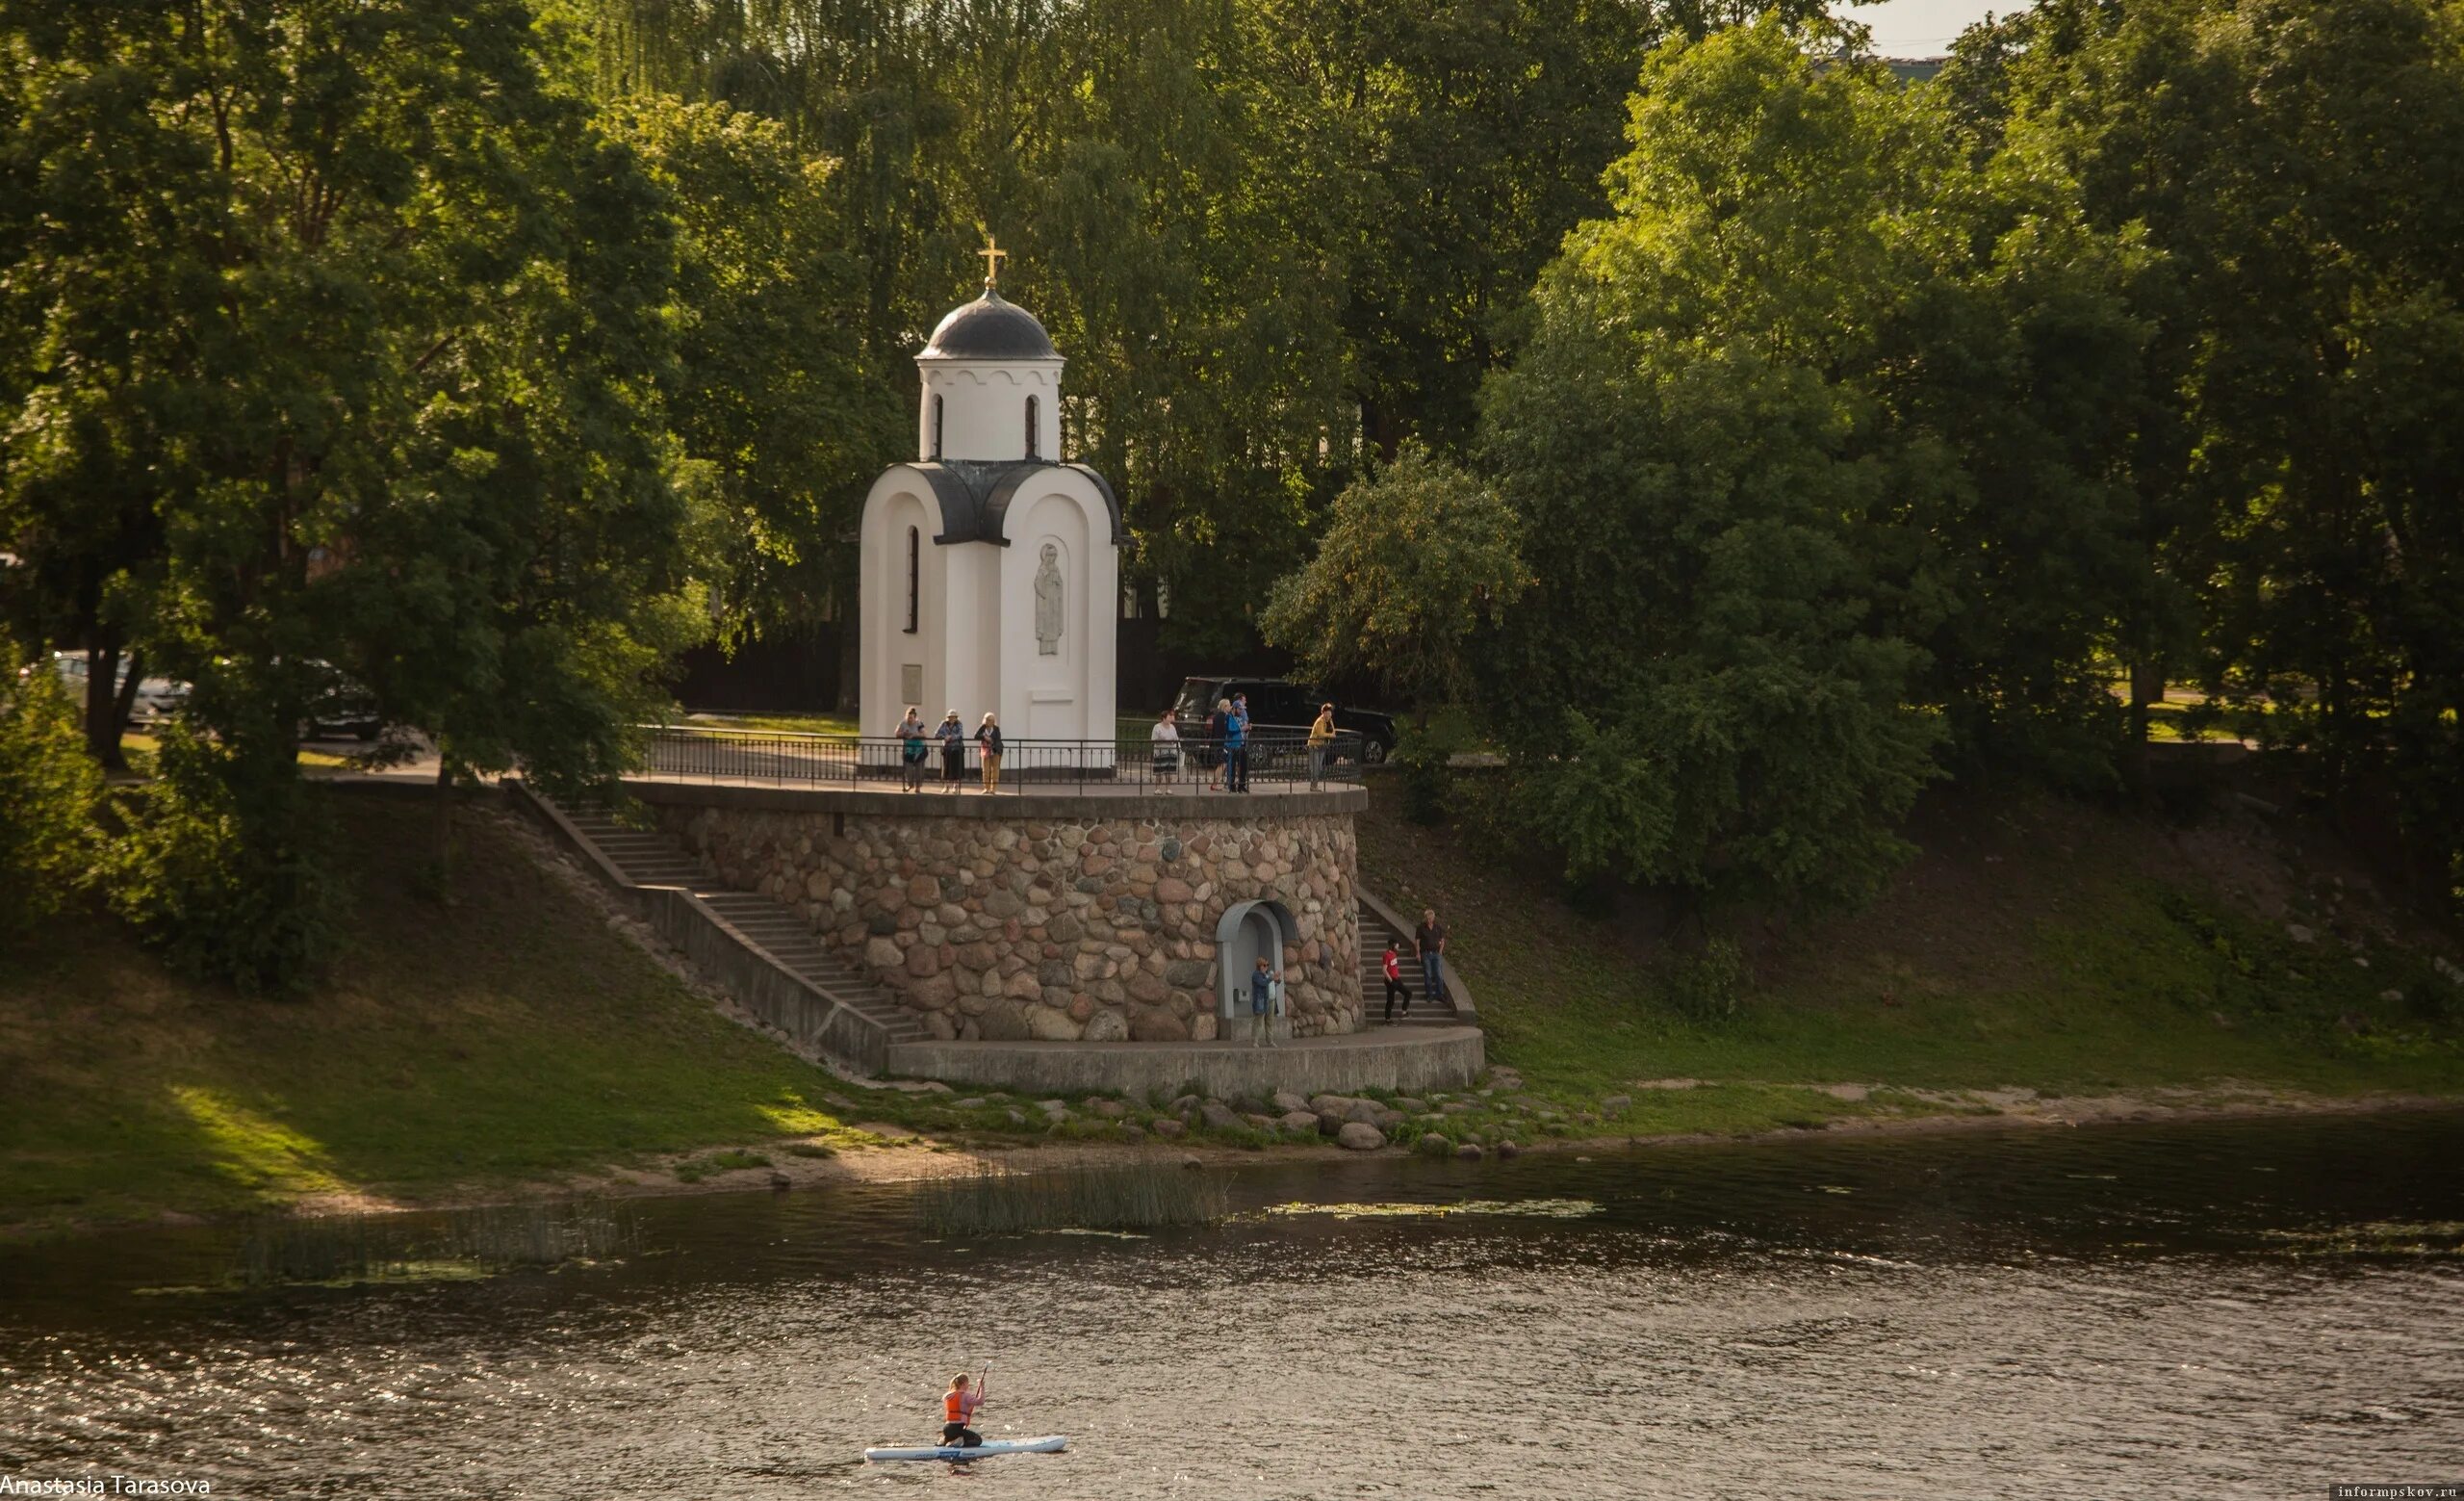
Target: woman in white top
pixel 1166 738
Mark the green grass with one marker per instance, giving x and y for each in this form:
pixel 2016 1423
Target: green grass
pixel 788 724
pixel 2043 947
pixel 505 1038
pixel 142 749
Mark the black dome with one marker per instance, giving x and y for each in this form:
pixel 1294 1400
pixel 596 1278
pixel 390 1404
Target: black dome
pixel 990 328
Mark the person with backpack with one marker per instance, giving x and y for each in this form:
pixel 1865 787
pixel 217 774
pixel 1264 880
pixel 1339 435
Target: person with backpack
pixel 1236 744
pixel 910 750
pixel 953 737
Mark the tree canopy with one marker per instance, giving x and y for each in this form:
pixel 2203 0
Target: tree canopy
pixel 1745 437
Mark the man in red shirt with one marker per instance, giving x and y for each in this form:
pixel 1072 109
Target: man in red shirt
pixel 1394 985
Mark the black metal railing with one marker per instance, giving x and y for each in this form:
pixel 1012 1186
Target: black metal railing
pixel 1273 756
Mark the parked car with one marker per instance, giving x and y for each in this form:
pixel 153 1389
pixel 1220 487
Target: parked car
pixel 157 698
pixel 1280 705
pixel 343 706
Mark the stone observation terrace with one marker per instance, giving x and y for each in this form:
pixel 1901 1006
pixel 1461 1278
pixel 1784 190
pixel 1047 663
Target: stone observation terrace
pixel 1089 926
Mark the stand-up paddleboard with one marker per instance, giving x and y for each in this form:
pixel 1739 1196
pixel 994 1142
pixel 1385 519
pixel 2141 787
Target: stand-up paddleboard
pixel 1050 1443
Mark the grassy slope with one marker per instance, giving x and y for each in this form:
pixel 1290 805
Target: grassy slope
pixel 2038 945
pixel 510 1036
pixel 513 1037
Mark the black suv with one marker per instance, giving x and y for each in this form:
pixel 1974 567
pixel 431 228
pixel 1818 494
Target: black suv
pixel 1280 703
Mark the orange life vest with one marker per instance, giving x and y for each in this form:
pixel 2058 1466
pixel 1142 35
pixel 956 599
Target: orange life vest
pixel 958 1406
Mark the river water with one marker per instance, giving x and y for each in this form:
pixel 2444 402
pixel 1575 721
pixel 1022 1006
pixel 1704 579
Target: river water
pixel 2223 1310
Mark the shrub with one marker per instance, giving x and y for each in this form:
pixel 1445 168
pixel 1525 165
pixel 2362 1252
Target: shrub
pixel 1423 771
pixel 1709 988
pixel 228 872
pixel 50 788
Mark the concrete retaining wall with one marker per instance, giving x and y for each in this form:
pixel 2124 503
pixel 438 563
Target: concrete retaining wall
pixel 1062 917
pixel 1426 1058
pixel 814 1023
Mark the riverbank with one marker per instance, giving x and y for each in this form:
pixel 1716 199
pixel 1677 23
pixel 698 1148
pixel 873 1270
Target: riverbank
pixel 916 1159
pixel 892 1156
pixel 522 1042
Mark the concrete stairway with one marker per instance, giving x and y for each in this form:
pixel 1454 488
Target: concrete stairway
pixel 1374 934
pixel 655 864
pixel 792 944
pixel 645 858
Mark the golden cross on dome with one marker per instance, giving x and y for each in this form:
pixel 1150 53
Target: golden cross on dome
pixel 994 255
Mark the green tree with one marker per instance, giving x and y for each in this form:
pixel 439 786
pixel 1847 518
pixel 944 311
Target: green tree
pixel 2289 161
pixel 770 389
pixel 50 788
pixel 99 196
pixel 409 334
pixel 1813 445
pixel 1417 561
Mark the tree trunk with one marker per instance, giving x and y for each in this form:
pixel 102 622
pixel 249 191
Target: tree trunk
pixel 442 823
pixel 2147 689
pixel 105 708
pixel 126 703
pixel 850 645
pixel 1383 428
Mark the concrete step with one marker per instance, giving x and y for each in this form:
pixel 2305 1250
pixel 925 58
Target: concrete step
pixel 649 858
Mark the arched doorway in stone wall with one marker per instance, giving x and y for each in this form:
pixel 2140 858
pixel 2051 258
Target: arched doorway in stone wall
pixel 1247 930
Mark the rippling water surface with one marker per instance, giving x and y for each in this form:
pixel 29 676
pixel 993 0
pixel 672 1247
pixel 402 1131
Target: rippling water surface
pixel 2217 1310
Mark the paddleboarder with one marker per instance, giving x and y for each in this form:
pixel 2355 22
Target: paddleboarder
pixel 957 1409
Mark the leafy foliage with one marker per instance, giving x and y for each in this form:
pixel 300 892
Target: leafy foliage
pixel 1415 563
pixel 48 790
pixel 2280 156
pixel 386 382
pixel 1707 988
pixel 226 874
pixel 1821 439
pixel 770 395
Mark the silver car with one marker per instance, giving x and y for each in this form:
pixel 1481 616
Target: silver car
pixel 157 698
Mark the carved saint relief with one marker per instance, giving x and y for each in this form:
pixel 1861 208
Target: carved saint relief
pixel 1048 603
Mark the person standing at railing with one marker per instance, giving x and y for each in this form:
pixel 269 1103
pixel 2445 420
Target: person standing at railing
pixel 910 749
pixel 953 737
pixel 1321 739
pixel 1166 740
pixel 1219 729
pixel 1236 745
pixel 988 736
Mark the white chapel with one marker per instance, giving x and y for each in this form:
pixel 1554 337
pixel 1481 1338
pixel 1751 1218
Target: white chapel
pixel 989 568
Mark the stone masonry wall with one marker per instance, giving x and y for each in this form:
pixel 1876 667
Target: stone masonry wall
pixel 1101 928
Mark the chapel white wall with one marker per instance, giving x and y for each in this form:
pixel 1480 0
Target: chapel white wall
pixel 984 408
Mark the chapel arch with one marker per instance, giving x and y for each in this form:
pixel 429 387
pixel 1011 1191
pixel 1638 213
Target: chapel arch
pixel 1247 930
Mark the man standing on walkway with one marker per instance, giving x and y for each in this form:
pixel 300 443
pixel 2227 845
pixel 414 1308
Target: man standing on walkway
pixel 1236 745
pixel 1321 739
pixel 1166 740
pixel 1431 939
pixel 1219 729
